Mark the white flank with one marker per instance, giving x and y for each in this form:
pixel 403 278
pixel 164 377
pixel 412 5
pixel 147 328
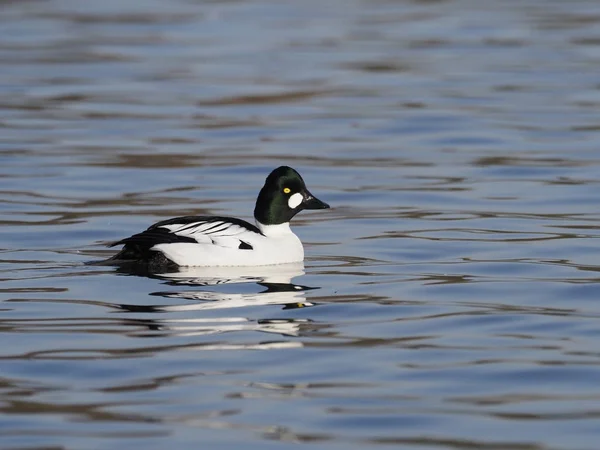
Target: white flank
pixel 276 245
pixel 295 200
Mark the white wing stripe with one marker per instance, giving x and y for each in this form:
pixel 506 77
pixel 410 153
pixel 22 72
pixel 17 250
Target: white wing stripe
pixel 218 229
pixel 195 226
pixel 211 226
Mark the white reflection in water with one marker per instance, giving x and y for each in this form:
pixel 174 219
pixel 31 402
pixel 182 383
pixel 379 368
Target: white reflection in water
pixel 206 276
pixel 279 290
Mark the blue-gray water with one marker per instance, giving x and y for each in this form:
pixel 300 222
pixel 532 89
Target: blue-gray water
pixel 458 272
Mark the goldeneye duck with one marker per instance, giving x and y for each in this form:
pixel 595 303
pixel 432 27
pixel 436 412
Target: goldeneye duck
pixel 226 241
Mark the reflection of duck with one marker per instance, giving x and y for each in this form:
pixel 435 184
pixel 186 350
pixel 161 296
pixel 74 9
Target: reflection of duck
pixel 279 291
pixel 208 276
pixel 169 319
pixel 276 279
pixel 202 327
pixel 224 241
pixel 217 300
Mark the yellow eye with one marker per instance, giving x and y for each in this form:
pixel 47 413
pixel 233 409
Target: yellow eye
pixel 286 190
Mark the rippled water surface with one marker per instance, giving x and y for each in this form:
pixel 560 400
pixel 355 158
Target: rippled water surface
pixel 456 278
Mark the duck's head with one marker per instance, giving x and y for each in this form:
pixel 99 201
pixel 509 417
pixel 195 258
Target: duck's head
pixel 283 196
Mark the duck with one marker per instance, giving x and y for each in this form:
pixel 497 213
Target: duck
pixel 209 241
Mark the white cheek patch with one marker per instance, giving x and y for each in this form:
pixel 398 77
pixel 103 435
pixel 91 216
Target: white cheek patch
pixel 295 200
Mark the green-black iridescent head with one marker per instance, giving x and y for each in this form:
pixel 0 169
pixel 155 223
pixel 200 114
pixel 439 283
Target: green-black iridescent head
pixel 283 196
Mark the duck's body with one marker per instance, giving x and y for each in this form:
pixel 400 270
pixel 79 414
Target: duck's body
pixel 226 241
pixel 213 241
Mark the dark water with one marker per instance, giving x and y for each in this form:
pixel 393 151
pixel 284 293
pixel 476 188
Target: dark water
pixel 458 273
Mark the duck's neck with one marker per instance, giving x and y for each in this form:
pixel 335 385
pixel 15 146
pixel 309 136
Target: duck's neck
pixel 280 229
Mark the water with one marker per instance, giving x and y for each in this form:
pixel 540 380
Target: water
pixel 456 276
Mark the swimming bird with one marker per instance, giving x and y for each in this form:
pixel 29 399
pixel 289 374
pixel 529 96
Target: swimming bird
pixel 227 241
